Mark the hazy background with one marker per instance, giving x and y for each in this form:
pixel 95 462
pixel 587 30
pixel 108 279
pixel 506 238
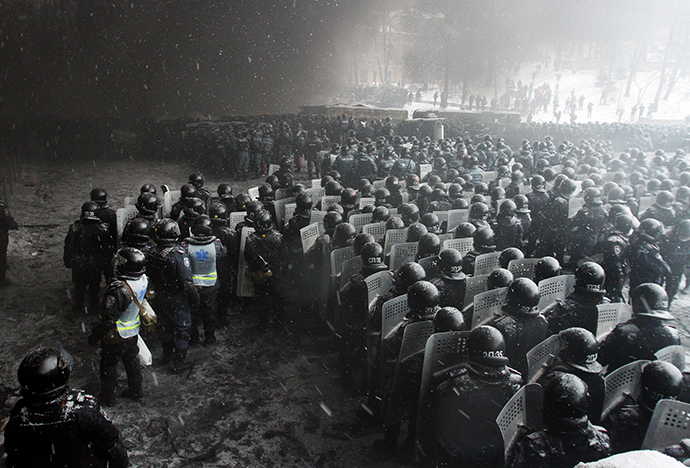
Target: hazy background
pixel 136 59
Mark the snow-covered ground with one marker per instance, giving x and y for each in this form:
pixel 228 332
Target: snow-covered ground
pixel 643 90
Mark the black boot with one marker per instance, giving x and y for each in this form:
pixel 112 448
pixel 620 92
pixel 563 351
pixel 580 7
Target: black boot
pixel 179 363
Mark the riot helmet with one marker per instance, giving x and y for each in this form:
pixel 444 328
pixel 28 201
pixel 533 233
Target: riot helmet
pixel 130 263
pixel 88 212
pixel 579 349
pixel 590 276
pixel 499 278
pixel 546 267
pixel 43 375
pixel 508 255
pixel 486 346
pixel 659 380
pixel 450 265
pixel 650 300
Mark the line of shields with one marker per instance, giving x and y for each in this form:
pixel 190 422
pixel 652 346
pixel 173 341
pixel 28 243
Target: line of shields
pixel 446 350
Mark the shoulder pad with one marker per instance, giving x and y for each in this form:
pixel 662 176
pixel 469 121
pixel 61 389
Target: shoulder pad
pixel 116 283
pixel 179 249
pixel 600 428
pixel 533 436
pixel 514 372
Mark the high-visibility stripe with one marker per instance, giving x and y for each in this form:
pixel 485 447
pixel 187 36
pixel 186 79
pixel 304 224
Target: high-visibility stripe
pixel 130 325
pixel 210 276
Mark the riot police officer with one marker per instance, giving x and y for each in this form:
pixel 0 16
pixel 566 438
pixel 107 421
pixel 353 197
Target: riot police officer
pixel 293 243
pixel 353 311
pixel 451 280
pixel 646 263
pixel 507 227
pixel 205 252
pixel 483 243
pixel 194 209
pixel 553 232
pixel 137 234
pixel 187 193
pixel 538 200
pixel 460 429
pixel 227 268
pixel 579 309
pixel 578 356
pixel 406 275
pixel 546 267
pixel 88 252
pixel 627 423
pixel 171 278
pixel 522 326
pixel 118 326
pixel 266 256
pixel 148 204
pixel 676 251
pixel 226 197
pixel 643 335
pixel 587 225
pixel 614 249
pixel 73 430
pixel 422 301
pixel 106 214
pixel 568 436
pixel 197 180
pixel 662 210
pixel 428 249
pixel 311 152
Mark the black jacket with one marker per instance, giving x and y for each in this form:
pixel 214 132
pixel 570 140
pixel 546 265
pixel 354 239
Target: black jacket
pixel 71 431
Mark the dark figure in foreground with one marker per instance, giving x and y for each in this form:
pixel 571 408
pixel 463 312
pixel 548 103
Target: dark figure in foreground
pixel 52 426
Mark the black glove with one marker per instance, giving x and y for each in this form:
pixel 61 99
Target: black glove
pixel 98 332
pixel 93 339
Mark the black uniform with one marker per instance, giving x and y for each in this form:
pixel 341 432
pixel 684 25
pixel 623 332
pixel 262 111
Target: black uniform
pixel 665 215
pixel 451 292
pixel 579 309
pixel 462 430
pixel 70 431
pixel 646 263
pixel 115 347
pixel 614 250
pixel 6 223
pixel 627 424
pixel 299 278
pixel 638 338
pixel 266 252
pixel 170 273
pixel 227 269
pixel 354 298
pixel 311 151
pixel 676 253
pixel 553 229
pixel 537 204
pixel 594 381
pixel 508 232
pixel 523 328
pixel 585 229
pixel 88 252
pixel 108 216
pixel 577 442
